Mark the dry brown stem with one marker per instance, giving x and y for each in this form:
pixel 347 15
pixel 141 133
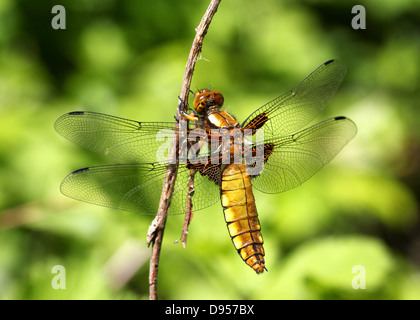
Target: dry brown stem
pixel 156 229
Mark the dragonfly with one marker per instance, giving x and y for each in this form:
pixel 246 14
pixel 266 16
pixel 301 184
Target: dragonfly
pixel 289 152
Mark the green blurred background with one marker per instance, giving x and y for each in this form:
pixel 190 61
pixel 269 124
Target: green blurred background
pixel 127 58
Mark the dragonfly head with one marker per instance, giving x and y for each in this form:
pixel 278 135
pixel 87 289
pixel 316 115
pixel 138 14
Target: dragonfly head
pixel 204 99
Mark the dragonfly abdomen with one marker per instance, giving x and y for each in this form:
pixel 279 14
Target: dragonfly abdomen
pixel 241 215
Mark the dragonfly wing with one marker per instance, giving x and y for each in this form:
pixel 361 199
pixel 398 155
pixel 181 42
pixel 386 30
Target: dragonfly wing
pixel 295 158
pixel 137 187
pixel 298 107
pixel 123 139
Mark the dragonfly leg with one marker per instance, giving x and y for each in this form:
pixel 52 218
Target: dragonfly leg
pixel 191 116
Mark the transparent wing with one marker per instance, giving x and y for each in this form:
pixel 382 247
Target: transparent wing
pixel 295 158
pixel 298 107
pixel 137 188
pixel 123 139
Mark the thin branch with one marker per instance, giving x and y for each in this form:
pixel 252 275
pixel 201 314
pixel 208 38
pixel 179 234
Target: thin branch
pixel 155 232
pixel 188 210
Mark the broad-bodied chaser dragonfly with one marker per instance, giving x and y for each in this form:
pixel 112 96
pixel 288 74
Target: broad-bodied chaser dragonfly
pixel 287 155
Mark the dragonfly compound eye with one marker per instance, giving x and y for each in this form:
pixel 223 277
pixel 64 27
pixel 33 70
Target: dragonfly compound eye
pixel 207 98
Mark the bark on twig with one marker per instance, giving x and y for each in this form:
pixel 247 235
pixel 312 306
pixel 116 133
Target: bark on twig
pixel 155 232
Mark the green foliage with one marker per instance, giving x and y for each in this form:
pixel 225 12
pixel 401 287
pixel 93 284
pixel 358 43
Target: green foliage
pixel 127 58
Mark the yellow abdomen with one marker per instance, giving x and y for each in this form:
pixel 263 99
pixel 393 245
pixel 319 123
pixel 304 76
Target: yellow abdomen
pixel 241 215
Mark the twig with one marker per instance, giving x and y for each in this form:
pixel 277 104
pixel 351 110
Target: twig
pixel 188 210
pixel 155 232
